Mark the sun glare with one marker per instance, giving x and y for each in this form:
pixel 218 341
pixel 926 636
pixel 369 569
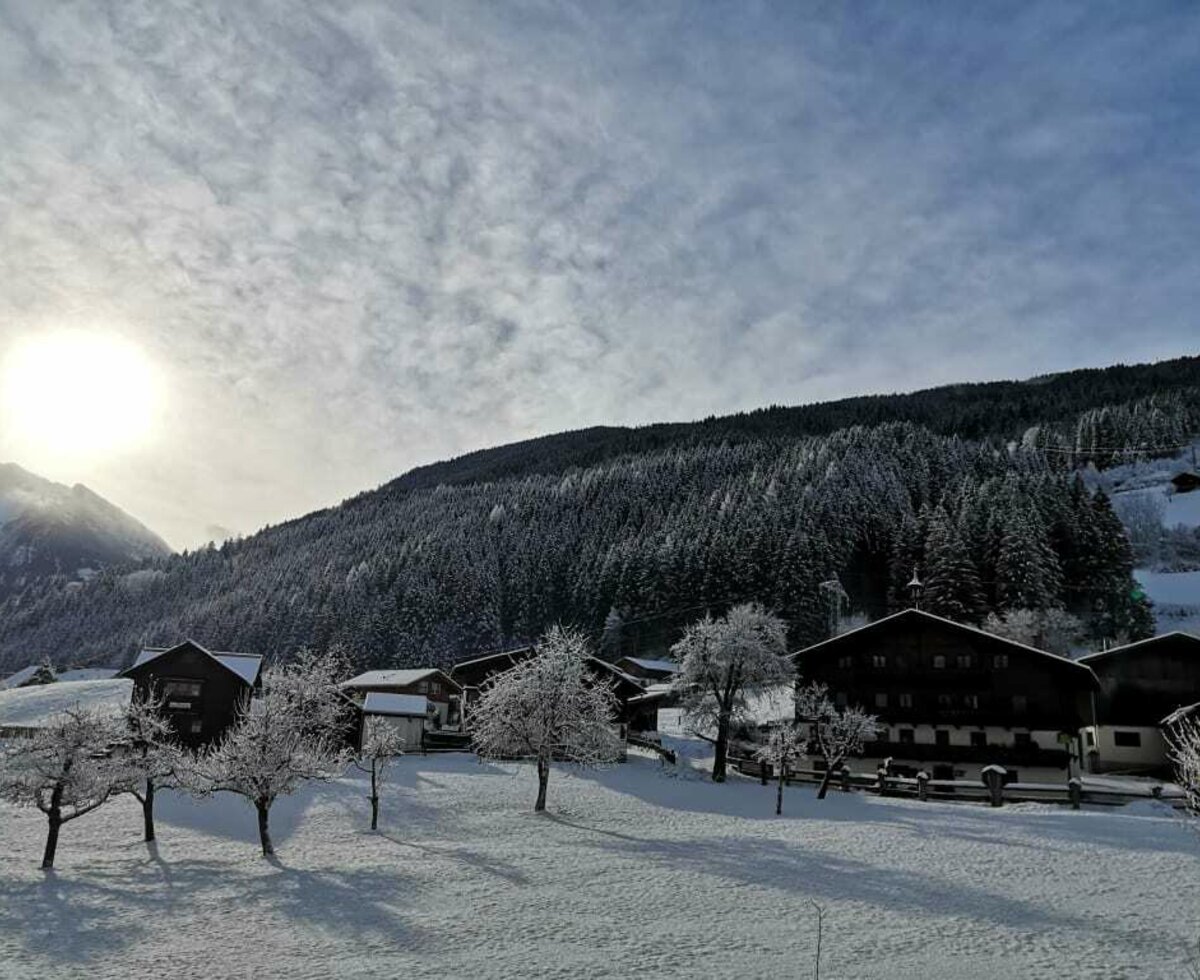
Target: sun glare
pixel 78 394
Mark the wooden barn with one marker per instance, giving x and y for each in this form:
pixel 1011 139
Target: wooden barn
pixel 203 691
pixel 1141 684
pixel 953 699
pixel 443 693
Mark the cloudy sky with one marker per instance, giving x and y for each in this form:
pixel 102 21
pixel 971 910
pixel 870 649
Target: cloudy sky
pixel 354 237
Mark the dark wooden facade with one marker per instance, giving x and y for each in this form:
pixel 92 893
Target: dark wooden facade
pixel 915 670
pixel 202 693
pixel 1141 683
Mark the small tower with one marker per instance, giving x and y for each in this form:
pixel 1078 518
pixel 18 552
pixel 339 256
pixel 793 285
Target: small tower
pixel 915 587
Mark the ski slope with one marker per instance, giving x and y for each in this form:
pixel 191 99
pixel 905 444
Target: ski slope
pixel 634 872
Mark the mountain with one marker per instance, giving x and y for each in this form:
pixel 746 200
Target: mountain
pixel 630 533
pixel 48 529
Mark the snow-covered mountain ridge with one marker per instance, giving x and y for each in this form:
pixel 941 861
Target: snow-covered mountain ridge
pixel 48 528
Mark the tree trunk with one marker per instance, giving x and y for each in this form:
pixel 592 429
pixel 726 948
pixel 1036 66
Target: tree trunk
pixel 264 830
pixel 374 796
pixel 148 812
pixel 722 750
pixel 543 770
pixel 825 783
pixel 55 820
pixel 779 791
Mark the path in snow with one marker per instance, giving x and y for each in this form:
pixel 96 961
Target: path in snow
pixel 634 872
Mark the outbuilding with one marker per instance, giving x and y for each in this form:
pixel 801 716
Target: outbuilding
pixel 405 713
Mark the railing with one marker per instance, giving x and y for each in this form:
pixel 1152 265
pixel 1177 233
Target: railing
pixel 1007 755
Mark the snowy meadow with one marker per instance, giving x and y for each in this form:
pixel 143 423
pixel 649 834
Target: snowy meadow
pixel 634 870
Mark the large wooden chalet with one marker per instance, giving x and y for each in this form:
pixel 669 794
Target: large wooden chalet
pixel 952 699
pixel 203 691
pixel 1141 684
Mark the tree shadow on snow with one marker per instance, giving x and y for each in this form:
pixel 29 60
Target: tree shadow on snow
pixel 473 859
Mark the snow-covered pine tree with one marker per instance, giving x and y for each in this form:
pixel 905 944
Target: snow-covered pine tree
pixel 722 663
pixel 548 707
pixel 66 769
pixel 1027 570
pixel 951 581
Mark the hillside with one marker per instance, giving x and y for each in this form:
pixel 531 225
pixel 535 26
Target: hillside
pixel 48 529
pixel 629 533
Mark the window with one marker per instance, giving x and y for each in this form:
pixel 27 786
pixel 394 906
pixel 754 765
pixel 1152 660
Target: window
pixel 1128 740
pixel 970 700
pixel 964 660
pixel 979 739
pixel 879 660
pixel 845 663
pixel 422 687
pixel 1000 661
pixel 194 726
pixel 939 662
pixel 945 700
pixel 1022 739
pixel 181 689
pixel 905 700
pixel 941 737
pixel 1090 737
pixel 905 736
pixel 1020 702
pixel 881 700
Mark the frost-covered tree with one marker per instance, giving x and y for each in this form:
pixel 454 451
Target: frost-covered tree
pixel 68 768
pixel 951 586
pixel 1055 630
pixel 294 732
pixel 152 755
pixel 784 745
pixel 548 707
pixel 835 733
pixel 1027 569
pixel 381 744
pixel 1184 740
pixel 722 663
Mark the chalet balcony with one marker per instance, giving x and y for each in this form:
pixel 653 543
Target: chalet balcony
pixel 1004 755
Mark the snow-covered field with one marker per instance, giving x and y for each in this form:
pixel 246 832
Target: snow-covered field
pixel 633 872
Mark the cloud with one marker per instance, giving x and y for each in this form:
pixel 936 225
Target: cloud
pixel 361 236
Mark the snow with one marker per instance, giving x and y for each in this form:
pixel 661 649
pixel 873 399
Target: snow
pixel 19 678
pixel 1182 508
pixel 1171 588
pixel 245 665
pixel 389 678
pixel 395 704
pixel 31 706
pixel 464 881
pixel 669 666
pixel 87 674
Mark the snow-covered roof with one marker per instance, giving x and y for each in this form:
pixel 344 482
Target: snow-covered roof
pixel 404 705
pixel 666 666
pixel 390 678
pixel 245 665
pixel 19 678
pixel 30 707
pixel 1139 645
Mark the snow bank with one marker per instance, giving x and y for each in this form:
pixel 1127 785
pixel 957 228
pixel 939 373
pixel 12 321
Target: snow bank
pixel 35 705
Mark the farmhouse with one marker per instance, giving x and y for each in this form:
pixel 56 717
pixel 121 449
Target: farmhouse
pixel 952 699
pixel 1141 685
pixel 443 693
pixel 203 691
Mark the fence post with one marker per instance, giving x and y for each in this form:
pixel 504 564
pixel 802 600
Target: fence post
pixel 1075 791
pixel 845 780
pixel 881 774
pixel 993 779
pixel 762 771
pixel 922 785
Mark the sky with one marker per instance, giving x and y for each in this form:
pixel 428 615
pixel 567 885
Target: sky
pixel 349 238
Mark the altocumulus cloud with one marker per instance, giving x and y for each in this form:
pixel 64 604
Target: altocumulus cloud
pixel 361 236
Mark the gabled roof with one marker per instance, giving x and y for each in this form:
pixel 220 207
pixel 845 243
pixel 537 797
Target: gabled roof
pixel 396 705
pixel 913 616
pixel 19 678
pixel 245 666
pixel 1138 646
pixel 666 666
pixel 515 655
pixel 392 678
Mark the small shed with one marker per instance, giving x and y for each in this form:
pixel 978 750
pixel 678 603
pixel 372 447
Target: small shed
pixel 406 713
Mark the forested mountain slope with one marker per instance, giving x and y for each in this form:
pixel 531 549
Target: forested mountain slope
pixel 630 533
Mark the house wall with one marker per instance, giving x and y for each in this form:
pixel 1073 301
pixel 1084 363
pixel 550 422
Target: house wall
pixel 410 728
pixel 1104 755
pixel 222 697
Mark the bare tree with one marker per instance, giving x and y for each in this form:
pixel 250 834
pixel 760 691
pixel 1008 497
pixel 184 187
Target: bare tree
pixel 152 756
pixel 1184 739
pixel 783 747
pixel 67 769
pixel 548 707
pixel 381 743
pixel 834 733
pixel 722 663
pixel 293 733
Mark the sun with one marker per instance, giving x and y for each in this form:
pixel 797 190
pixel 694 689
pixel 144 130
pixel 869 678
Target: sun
pixel 78 394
